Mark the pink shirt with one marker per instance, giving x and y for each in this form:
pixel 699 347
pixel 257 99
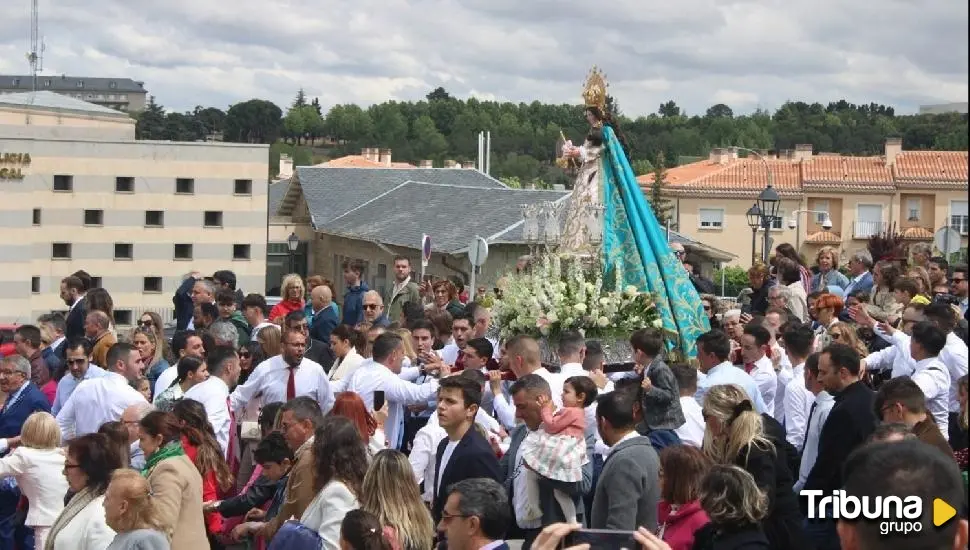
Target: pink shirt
pixel 567 421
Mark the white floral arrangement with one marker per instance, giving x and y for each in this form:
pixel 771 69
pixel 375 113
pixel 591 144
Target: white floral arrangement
pixel 549 300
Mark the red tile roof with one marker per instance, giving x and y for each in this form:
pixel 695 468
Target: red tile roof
pixel 932 166
pixel 824 237
pixel 737 176
pixel 867 172
pixel 359 161
pixel 917 234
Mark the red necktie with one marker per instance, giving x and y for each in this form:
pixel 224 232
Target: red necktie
pixel 748 367
pixel 232 451
pixel 291 384
pixel 460 361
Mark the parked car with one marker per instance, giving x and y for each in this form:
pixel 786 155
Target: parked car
pixel 6 340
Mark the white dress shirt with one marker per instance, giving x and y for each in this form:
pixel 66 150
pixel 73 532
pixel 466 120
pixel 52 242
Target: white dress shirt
pixel 67 384
pixel 764 376
pixel 954 356
pixel 398 394
pixel 269 379
pixel 165 379
pixel 36 472
pixel 505 410
pixel 823 406
pixel 424 454
pixel 933 378
pixel 692 430
pixel 95 402
pixel 797 404
pixel 213 394
pixel 784 372
pixel 727 373
pixel 520 494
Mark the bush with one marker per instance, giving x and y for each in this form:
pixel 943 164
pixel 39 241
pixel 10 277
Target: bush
pixel 735 280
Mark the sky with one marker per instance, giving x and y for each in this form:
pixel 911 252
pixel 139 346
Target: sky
pixel 748 54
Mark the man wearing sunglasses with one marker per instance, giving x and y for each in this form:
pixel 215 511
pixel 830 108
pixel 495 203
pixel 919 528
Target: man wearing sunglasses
pixel 77 355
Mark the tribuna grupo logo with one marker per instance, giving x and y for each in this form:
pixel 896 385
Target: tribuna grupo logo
pixel 902 515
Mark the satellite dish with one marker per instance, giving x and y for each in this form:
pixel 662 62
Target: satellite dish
pixel 947 240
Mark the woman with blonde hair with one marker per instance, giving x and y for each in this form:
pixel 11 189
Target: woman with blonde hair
pixel 153 321
pixel 147 343
pixel 292 291
pixel 736 434
pixel 390 493
pixel 845 333
pixel 407 343
pixel 736 506
pixel 35 464
pixel 827 261
pixel 270 339
pixel 922 278
pixel 130 510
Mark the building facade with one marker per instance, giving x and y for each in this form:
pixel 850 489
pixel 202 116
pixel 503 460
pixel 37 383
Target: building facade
pixel 912 192
pixel 120 94
pixel 81 193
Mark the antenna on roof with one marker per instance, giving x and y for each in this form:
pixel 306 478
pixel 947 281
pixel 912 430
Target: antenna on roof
pixel 35 56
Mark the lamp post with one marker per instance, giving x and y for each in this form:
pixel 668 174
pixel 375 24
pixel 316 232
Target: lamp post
pixel 754 222
pixel 292 242
pixel 826 224
pixel 768 202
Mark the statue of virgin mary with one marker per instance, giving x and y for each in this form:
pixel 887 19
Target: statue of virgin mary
pixel 634 243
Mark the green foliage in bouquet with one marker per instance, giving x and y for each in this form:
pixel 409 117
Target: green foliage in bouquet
pixel 561 293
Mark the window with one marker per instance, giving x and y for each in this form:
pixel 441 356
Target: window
pixel 80 83
pixel 240 251
pixel 868 220
pixel 212 218
pixel 63 183
pixel 47 83
pixel 36 216
pixel 913 208
pixel 151 284
pixel 123 251
pixel 123 317
pixel 16 82
pixel 94 217
pixel 821 206
pixel 243 187
pixel 958 216
pixel 124 184
pixel 112 84
pixel 184 186
pixel 778 223
pixel 35 285
pixel 96 282
pixel 183 252
pixel 711 218
pixel 61 251
pixel 154 218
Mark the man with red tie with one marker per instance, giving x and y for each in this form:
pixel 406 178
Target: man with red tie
pixel 285 376
pixel 755 343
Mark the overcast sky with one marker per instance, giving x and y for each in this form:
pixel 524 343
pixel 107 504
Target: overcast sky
pixel 748 54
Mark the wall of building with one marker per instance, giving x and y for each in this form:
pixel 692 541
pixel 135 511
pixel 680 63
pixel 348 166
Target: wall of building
pixel 30 277
pixel 734 235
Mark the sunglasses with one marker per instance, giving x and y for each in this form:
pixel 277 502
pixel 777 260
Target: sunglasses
pixel 244 355
pixel 145 323
pixel 835 335
pixel 371 306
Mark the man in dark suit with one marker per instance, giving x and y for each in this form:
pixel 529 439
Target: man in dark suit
pixel 464 454
pixel 476 515
pixel 525 396
pixel 325 317
pixel 849 424
pixel 23 399
pixel 72 292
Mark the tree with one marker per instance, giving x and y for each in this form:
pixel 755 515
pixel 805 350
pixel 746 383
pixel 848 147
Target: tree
pixel 316 106
pixel 660 205
pixel 438 94
pixel 669 109
pixel 719 110
pixel 150 123
pixel 295 124
pixel 642 167
pixel 211 118
pixel 300 100
pixel 253 121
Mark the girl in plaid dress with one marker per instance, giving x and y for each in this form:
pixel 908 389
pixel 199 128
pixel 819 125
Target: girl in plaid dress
pixel 557 450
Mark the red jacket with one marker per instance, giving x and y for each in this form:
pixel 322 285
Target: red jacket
pixel 283 308
pixel 210 491
pixel 678 527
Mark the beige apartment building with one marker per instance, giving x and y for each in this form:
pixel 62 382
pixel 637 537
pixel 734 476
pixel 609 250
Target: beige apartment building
pixel 120 94
pixel 81 193
pixel 916 192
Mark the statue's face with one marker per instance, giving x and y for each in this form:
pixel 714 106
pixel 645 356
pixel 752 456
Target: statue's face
pixel 591 117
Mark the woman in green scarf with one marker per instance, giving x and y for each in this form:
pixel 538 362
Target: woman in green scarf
pixel 176 483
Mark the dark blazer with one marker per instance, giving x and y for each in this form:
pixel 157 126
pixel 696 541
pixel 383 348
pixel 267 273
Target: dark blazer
pixel 182 300
pixel 850 422
pixel 319 352
pixel 12 418
pixel 323 324
pixel 74 323
pixel 473 457
pixel 783 524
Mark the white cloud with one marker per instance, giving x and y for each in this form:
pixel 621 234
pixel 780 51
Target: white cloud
pixel 744 53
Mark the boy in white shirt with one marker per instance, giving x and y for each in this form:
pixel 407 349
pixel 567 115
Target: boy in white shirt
pixel 692 430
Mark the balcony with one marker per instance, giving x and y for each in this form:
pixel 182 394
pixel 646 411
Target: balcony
pixel 960 223
pixel 864 229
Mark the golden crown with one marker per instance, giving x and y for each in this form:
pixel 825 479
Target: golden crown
pixel 594 92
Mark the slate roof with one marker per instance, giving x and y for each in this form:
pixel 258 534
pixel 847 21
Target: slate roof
pixel 51 101
pixel 63 83
pixel 330 192
pixel 276 193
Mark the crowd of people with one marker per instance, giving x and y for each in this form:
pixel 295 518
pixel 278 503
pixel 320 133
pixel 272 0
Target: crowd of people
pixel 400 422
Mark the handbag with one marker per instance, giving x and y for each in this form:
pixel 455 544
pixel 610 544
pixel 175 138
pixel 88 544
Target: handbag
pixel 293 535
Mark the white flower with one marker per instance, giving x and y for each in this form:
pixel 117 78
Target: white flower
pixel 658 322
pixel 603 321
pixel 631 291
pixel 580 308
pixel 552 317
pixel 604 301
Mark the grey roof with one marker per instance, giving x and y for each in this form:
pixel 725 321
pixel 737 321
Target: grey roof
pixel 330 192
pixel 63 83
pixel 51 101
pixel 277 191
pixel 451 214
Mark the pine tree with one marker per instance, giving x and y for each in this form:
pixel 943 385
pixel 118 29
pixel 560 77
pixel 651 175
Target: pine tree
pixel 300 100
pixel 660 205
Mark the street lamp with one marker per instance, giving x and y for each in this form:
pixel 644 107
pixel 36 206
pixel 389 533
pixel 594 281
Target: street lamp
pixel 769 202
pixel 292 242
pixel 754 222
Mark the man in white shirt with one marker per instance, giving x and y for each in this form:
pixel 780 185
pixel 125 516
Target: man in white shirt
pixel 713 353
pixel 254 310
pixel 286 376
pixel 186 343
pixel 382 374
pixel 522 357
pixel 819 412
pixel 754 347
pixel 799 340
pixel 691 431
pixel 954 356
pixel 223 363
pixel 103 399
pixel 79 368
pixel 931 374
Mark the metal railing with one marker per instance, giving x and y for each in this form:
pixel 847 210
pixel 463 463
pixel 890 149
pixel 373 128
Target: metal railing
pixel 865 229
